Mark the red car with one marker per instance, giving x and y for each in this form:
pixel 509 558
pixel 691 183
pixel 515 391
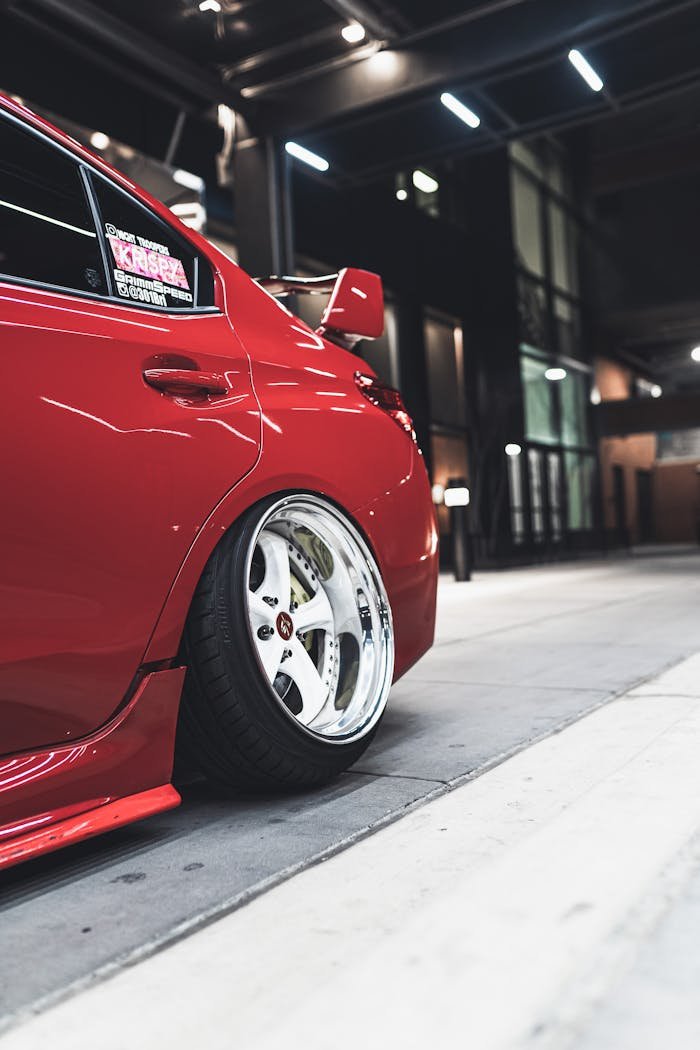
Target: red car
pixel 217 535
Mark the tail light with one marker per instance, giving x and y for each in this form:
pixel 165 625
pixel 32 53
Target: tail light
pixel 386 398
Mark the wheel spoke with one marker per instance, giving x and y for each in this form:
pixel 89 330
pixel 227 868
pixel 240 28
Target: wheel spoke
pixel 276 582
pixel 342 593
pixel 317 576
pixel 302 670
pixel 260 612
pixel 270 653
pixel 314 614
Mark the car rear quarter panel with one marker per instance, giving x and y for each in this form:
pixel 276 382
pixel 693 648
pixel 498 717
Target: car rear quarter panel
pixel 320 434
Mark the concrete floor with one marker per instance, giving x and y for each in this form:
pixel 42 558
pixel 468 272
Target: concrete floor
pixel 519 655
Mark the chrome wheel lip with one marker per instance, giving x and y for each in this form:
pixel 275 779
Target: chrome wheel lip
pixel 361 726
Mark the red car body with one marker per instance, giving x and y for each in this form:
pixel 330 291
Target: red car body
pixel 114 497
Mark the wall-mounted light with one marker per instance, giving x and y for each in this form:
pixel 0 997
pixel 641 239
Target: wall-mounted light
pixel 695 353
pixel 306 156
pixel 438 494
pixel 513 449
pixel 460 110
pixel 655 390
pixel 402 195
pixel 353 33
pixel 555 375
pixel 424 182
pixel 98 140
pixel 457 496
pixel 585 69
pixel 595 396
pixel 210 5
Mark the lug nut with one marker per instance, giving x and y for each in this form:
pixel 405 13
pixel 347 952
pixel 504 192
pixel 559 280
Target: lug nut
pixel 265 632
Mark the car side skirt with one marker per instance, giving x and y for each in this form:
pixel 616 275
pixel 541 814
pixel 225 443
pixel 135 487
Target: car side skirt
pixel 104 818
pixel 119 774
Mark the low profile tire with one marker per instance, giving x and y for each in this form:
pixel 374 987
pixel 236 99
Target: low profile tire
pixel 289 649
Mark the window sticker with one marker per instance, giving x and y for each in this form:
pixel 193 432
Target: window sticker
pixel 145 270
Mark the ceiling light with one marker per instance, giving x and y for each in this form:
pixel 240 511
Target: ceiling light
pixel 306 156
pixel 402 195
pixel 189 180
pixel 424 182
pixel 353 33
pixel 695 353
pixel 555 374
pixel 99 140
pixel 513 449
pixel 210 5
pixel 582 66
pixel 655 390
pixel 460 110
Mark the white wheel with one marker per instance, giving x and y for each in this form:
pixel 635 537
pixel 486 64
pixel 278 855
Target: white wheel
pixel 289 649
pixel 319 619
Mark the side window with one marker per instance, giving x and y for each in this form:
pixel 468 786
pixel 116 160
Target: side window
pixel 151 265
pixel 46 230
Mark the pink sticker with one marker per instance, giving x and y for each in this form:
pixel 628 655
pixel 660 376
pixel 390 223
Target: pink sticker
pixel 147 263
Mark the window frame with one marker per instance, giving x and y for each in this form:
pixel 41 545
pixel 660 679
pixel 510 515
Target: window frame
pixel 85 171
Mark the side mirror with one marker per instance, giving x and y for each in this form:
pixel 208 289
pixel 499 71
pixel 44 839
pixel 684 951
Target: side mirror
pixel 355 310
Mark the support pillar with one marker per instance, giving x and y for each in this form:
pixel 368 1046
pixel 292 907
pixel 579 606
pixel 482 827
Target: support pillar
pixel 263 208
pixel 413 368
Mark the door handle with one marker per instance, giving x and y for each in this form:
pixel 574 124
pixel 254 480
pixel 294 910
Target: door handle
pixel 184 381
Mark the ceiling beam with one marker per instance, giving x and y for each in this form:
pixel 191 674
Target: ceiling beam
pixel 359 11
pixel 477 142
pixel 646 414
pixel 138 48
pixel 520 36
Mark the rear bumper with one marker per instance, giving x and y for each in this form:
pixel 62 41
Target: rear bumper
pixel 402 529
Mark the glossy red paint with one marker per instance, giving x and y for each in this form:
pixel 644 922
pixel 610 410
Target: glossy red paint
pixel 140 439
pixel 356 308
pixel 131 755
pixel 107 816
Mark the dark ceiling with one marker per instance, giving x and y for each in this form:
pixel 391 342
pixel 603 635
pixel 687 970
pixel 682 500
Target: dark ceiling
pixel 371 106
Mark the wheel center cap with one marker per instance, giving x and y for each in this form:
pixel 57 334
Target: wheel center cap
pixel 285 627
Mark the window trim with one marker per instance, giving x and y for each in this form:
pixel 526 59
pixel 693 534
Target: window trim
pixel 85 171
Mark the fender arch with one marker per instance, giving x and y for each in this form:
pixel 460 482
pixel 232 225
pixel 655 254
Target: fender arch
pixel 165 639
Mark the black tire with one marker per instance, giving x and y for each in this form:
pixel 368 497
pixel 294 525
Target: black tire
pixel 231 727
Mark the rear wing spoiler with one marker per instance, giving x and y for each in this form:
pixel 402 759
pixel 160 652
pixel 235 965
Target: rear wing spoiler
pixel 356 307
pixel 305 285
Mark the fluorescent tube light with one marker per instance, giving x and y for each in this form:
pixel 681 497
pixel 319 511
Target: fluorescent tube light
pixel 460 110
pixel 585 69
pixel 306 156
pixel 424 182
